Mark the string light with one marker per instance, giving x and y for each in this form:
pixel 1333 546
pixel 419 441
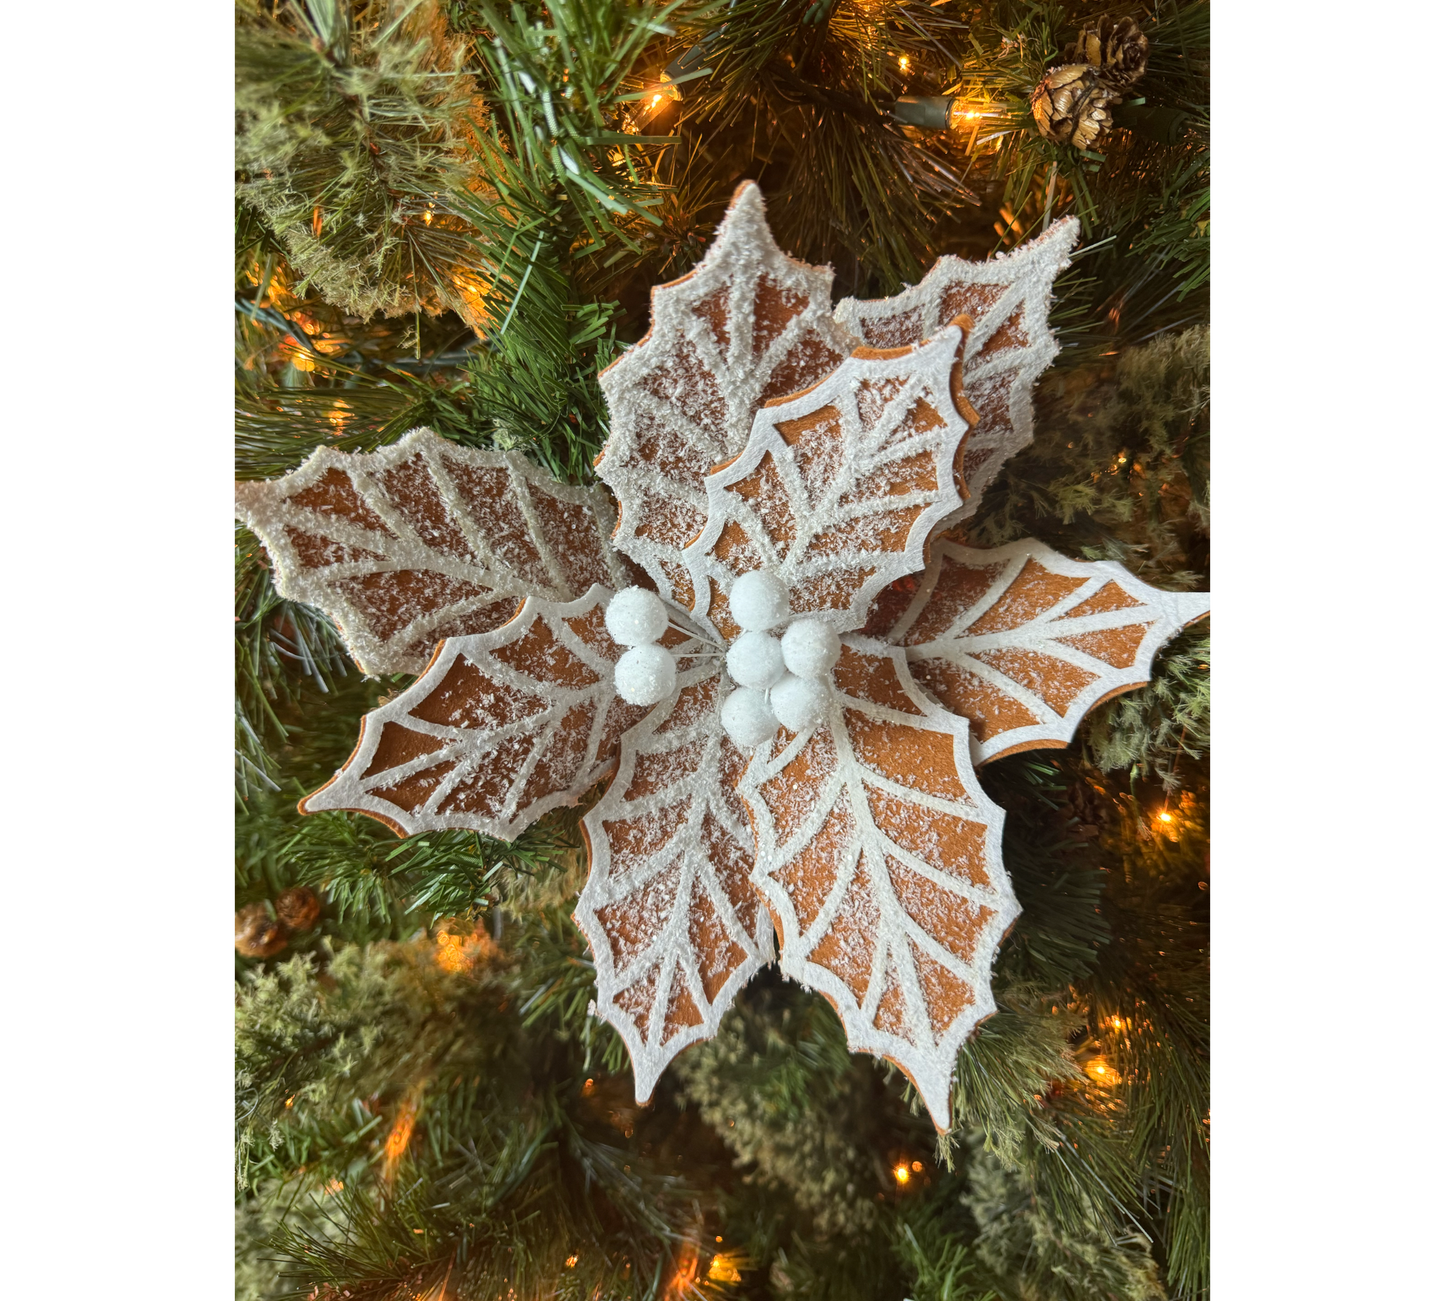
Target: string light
pixel 723 1269
pixel 902 1173
pixel 1117 1022
pixel 338 416
pixel 400 1135
pixel 902 63
pixel 965 116
pixel 460 953
pixel 686 1276
pixel 918 1167
pixel 571 1262
pixel 660 94
pixel 300 358
pixel 1100 1070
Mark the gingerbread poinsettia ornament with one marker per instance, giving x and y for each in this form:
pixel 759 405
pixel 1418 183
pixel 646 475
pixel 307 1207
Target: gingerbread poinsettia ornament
pixel 789 708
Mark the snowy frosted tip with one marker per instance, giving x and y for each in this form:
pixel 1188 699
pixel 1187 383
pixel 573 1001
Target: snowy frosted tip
pixel 747 719
pixel 636 617
pixel 810 649
pixel 758 601
pixel 645 674
pixel 755 660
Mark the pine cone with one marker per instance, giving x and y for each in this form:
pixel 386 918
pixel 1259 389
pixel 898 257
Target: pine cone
pixel 1071 105
pixel 1116 47
pixel 298 908
pixel 258 934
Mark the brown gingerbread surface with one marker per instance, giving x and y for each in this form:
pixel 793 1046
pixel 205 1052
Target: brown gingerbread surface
pixel 426 539
pixel 748 324
pixel 499 729
pixel 879 858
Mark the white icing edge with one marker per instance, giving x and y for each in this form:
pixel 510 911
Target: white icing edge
pixel 263 507
pixel 1166 612
pixel 350 791
pixel 930 1069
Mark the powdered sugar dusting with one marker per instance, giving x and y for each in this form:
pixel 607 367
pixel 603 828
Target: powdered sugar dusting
pixel 1009 345
pixel 502 727
pixel 747 324
pixel 424 539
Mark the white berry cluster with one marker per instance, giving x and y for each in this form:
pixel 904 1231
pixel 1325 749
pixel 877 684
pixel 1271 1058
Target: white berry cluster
pixel 780 679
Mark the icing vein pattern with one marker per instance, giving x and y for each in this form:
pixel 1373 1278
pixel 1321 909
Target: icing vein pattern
pixel 879 859
pixel 501 728
pixel 425 539
pixel 747 325
pixel 1023 642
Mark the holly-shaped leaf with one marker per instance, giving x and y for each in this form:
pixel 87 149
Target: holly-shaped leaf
pixel 1009 346
pixel 878 856
pixel 1023 642
pixel 501 728
pixel 839 486
pixel 674 925
pixel 425 539
pixel 748 324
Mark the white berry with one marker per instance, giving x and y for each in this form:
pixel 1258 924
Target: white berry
pixel 758 601
pixel 755 660
pixel 747 719
pixel 810 648
pixel 645 674
pixel 799 703
pixel 636 616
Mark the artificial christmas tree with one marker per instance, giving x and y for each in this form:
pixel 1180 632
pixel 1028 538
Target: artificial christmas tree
pixel 451 216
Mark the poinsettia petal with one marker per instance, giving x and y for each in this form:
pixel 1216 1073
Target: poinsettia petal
pixel 879 858
pixel 839 487
pixel 1023 641
pixel 1009 347
pixel 747 324
pixel 501 728
pixel 426 539
pixel 674 925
